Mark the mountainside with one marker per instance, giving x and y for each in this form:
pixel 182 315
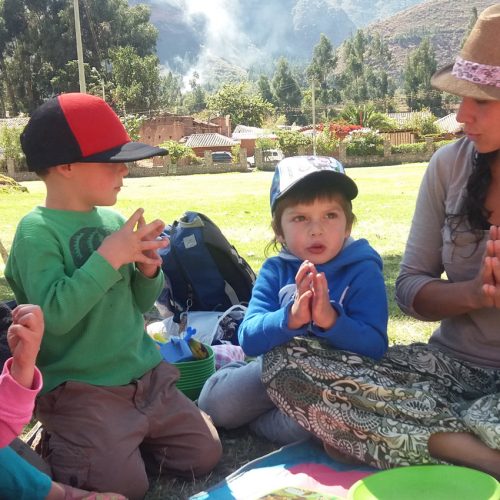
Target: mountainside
pixel 248 33
pixel 445 23
pixel 221 39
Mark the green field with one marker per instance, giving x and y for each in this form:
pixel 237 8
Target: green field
pixel 239 204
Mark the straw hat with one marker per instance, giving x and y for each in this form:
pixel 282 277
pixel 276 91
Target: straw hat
pixel 476 71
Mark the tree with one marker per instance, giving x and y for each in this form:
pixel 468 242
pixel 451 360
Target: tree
pixel 420 66
pixel 265 89
pixel 195 100
pixel 171 90
pixel 265 143
pixel 286 91
pixel 236 100
pixel 367 115
pixel 320 72
pixel 366 58
pixel 37 45
pixel 137 82
pixel 132 124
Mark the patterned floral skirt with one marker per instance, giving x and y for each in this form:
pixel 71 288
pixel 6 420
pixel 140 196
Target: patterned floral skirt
pixel 382 412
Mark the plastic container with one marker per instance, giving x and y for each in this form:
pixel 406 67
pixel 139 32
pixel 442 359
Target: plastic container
pixel 195 373
pixel 426 482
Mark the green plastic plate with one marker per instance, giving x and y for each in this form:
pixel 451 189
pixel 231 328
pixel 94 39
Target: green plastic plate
pixel 426 482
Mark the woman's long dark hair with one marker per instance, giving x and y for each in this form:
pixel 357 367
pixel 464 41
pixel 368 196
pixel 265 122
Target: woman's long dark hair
pixel 473 211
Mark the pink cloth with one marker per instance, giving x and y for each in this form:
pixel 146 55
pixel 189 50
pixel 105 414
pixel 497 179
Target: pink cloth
pixel 227 353
pixel 16 404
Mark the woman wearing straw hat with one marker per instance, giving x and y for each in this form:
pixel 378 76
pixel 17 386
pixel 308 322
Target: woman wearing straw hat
pixel 436 402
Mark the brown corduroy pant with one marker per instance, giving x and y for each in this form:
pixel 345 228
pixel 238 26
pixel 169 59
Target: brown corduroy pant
pixel 98 438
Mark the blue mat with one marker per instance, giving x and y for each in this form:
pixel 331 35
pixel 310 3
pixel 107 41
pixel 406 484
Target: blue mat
pixel 302 465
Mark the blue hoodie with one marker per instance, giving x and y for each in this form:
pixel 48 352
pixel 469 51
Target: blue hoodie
pixel 357 292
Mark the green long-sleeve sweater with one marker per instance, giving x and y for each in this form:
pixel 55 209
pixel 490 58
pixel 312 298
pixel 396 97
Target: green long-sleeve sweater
pixel 94 328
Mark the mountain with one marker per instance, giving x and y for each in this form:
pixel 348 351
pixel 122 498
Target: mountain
pixel 445 23
pixel 252 33
pixel 225 39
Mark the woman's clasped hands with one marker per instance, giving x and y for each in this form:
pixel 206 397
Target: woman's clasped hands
pixel 490 271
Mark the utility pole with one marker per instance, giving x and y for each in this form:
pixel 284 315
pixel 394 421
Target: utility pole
pixel 313 98
pixel 79 50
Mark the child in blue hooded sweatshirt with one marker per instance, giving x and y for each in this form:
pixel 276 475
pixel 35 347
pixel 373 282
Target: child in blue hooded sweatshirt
pixel 323 284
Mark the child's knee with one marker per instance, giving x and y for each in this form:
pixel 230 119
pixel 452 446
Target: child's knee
pixel 221 410
pixel 89 469
pixel 210 453
pixel 215 401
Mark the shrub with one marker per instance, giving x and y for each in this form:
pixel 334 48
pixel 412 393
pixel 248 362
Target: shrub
pixel 176 151
pixel 340 130
pixel 327 142
pixel 264 143
pixel 289 142
pixel 364 142
pixel 439 144
pixel 235 152
pixel 7 185
pixel 424 125
pixel 10 142
pixel 418 147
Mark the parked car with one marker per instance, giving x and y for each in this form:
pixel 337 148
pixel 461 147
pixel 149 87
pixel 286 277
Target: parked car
pixel 268 156
pixel 222 157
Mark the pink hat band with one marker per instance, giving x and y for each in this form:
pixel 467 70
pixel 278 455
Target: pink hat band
pixel 482 74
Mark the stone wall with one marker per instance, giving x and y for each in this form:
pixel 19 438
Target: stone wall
pixel 147 168
pixel 141 169
pixel 136 170
pixel 387 158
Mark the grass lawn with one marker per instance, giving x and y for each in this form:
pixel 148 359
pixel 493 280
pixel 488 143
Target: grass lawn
pixel 239 204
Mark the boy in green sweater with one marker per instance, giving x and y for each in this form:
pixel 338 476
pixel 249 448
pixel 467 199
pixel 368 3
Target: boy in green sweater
pixel 109 401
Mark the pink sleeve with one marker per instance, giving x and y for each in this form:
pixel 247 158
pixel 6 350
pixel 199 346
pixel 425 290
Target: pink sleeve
pixel 16 404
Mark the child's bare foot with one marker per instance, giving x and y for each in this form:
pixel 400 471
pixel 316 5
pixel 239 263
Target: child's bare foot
pixel 462 448
pixel 339 456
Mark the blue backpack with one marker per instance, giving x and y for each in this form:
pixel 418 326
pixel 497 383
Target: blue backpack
pixel 203 271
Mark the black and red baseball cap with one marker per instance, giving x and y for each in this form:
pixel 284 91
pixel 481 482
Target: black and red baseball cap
pixel 79 128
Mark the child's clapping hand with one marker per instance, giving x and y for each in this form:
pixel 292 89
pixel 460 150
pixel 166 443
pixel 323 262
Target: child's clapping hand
pixel 312 302
pixel 24 337
pixel 135 242
pixel 150 268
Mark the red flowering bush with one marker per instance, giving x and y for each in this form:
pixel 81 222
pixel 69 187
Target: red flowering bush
pixel 339 130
